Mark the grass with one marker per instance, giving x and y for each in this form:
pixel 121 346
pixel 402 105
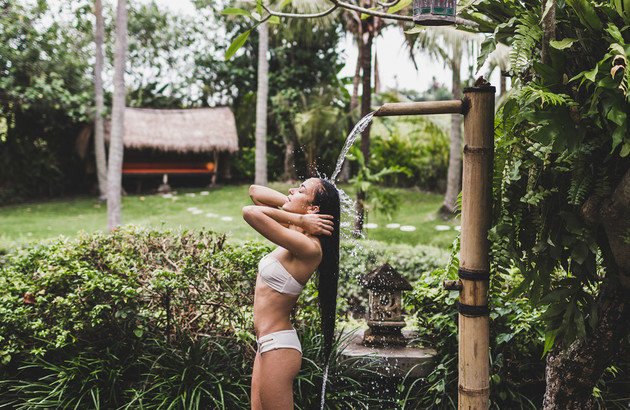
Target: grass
pixel 209 209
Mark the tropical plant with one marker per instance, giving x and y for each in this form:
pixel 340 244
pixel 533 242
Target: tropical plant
pixel 319 125
pixel 451 46
pixel 366 180
pixel 561 183
pixel 44 96
pixel 416 143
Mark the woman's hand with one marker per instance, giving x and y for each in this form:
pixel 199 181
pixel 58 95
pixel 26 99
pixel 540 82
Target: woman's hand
pixel 317 224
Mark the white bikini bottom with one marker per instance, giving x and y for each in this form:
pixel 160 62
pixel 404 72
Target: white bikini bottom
pixel 284 339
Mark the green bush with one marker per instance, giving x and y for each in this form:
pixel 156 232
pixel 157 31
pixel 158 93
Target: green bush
pixel 110 320
pixel 147 319
pixel 358 258
pixel 516 344
pixel 423 151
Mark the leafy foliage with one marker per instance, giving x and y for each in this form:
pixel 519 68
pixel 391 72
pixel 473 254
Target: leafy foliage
pixel 43 95
pixel 141 318
pixel 143 298
pixel 367 181
pixel 422 150
pixel 516 342
pixel 561 141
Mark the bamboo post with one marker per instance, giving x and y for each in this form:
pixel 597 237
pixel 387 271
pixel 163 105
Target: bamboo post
pixel 474 267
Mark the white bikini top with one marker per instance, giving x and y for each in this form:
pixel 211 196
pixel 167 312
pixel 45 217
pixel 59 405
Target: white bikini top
pixel 277 277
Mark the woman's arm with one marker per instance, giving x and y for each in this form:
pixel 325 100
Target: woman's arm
pixel 269 222
pixel 262 195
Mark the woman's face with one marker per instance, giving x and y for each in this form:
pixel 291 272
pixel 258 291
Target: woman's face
pixel 300 199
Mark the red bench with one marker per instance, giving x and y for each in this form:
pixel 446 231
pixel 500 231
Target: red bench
pixel 166 168
pixel 152 168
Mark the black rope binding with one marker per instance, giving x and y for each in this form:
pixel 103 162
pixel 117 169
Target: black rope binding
pixel 466 274
pixel 473 311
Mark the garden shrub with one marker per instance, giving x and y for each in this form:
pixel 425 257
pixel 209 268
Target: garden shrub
pixel 104 320
pixel 423 152
pixel 148 319
pixel 358 257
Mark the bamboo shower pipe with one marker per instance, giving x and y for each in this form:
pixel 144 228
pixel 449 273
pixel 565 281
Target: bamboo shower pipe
pixel 474 266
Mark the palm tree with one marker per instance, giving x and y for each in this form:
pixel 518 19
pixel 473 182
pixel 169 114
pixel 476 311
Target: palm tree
pixel 318 125
pixel 261 106
pixel 449 45
pixel 99 143
pixel 114 172
pixel 365 30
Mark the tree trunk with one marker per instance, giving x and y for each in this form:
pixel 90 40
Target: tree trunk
pixel 454 173
pixel 114 174
pixel 572 374
pixel 99 139
pixel 502 83
pixel 356 80
pixel 549 29
pixel 366 108
pixel 377 77
pixel 261 105
pixel 354 102
pixel 289 160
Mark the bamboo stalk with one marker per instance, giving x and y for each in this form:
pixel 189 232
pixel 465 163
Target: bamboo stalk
pixel 474 329
pixel 420 108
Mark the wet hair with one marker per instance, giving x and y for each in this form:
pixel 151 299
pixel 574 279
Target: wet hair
pixel 327 199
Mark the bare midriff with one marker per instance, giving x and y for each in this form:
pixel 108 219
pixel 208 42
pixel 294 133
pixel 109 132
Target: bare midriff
pixel 272 309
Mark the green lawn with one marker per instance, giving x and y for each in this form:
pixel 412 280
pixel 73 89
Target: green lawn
pixel 217 209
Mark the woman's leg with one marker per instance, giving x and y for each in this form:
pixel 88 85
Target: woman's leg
pixel 255 393
pixel 272 379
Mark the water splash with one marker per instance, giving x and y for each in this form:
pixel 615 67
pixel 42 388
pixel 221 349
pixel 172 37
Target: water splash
pixel 324 381
pixel 348 212
pixel 352 137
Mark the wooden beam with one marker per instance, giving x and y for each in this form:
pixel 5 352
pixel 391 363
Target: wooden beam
pixel 421 108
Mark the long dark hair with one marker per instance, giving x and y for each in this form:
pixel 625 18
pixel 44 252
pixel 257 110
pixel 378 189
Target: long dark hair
pixel 327 199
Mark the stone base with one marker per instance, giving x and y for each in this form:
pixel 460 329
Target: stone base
pixel 390 361
pixel 379 337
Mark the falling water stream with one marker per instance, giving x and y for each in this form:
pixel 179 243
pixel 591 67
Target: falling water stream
pixel 324 380
pixel 352 137
pixel 347 208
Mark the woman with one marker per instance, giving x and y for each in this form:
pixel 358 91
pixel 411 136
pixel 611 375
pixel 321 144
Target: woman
pixel 305 226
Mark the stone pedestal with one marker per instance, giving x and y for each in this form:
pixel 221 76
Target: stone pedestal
pixel 390 361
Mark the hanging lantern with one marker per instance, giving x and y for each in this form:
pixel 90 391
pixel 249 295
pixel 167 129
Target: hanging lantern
pixel 434 12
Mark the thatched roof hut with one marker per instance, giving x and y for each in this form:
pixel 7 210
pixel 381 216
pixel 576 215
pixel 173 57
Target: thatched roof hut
pixel 186 130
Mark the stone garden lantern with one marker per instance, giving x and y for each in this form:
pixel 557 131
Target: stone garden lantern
pixel 434 12
pixel 385 286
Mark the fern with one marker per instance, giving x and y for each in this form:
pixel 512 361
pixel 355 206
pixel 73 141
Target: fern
pixel 535 94
pixel 527 36
pixel 581 185
pixel 603 188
